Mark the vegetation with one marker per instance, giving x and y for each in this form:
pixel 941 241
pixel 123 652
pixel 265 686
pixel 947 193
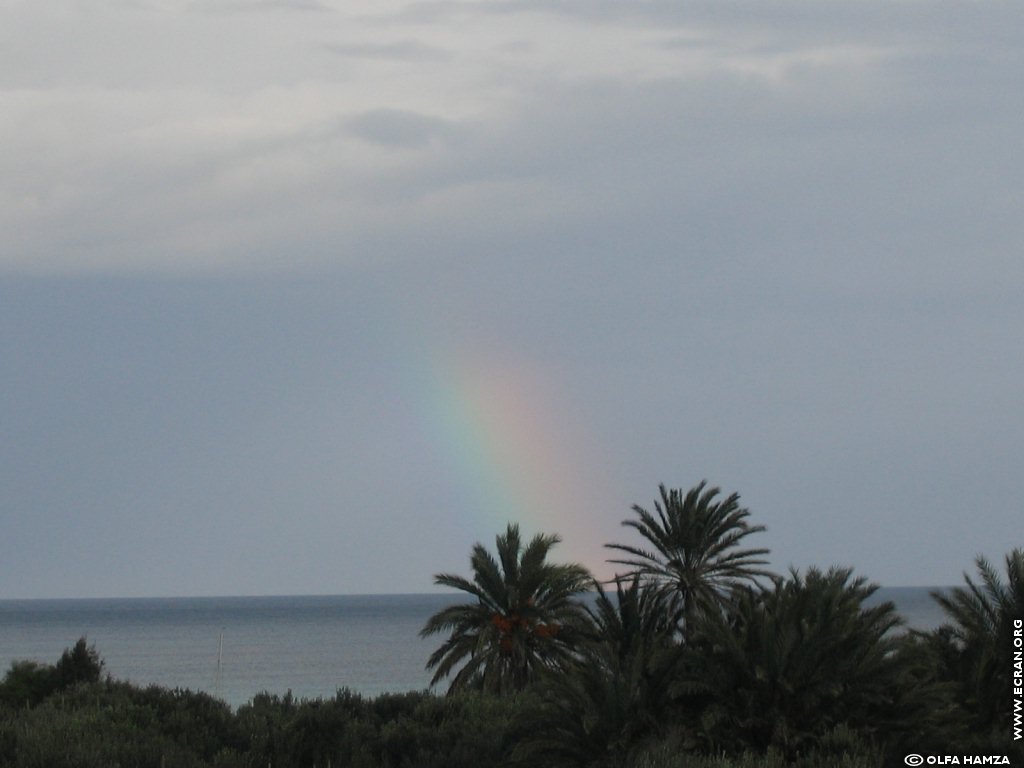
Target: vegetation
pixel 525 619
pixel 613 700
pixel 793 667
pixel 108 723
pixel 695 661
pixel 973 649
pixel 694 557
pixel 28 682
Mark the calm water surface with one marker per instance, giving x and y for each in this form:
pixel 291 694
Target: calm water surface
pixel 310 645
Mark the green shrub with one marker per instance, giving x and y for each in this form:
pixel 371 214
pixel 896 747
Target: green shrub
pixel 27 683
pixel 110 723
pixel 79 664
pixel 791 664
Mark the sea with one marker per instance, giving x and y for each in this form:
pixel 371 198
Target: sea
pixel 237 647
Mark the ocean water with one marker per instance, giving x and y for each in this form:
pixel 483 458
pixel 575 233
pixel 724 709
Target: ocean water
pixel 310 645
pixel 237 647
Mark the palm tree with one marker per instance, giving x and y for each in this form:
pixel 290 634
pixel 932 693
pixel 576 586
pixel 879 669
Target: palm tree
pixel 976 646
pixel 524 617
pixel 695 556
pixel 614 699
pixel 793 666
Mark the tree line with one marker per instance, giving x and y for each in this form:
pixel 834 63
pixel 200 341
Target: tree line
pixel 701 651
pixel 694 656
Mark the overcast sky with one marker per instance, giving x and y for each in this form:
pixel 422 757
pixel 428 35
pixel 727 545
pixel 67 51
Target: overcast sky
pixel 308 296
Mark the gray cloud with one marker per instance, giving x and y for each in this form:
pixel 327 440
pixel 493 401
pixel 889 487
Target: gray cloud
pixel 401 50
pixel 774 246
pixel 400 128
pixel 258 6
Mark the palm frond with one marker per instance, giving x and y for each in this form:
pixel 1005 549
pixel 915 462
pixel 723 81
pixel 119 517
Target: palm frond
pixel 692 548
pixel 524 619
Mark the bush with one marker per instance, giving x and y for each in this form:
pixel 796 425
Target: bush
pixel 663 757
pixel 791 664
pixel 110 723
pixel 27 683
pixel 79 664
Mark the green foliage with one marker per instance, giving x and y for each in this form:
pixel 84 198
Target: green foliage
pixel 976 644
pixel 615 696
pixel 79 664
pixel 793 663
pixel 27 683
pixel 669 757
pixel 410 730
pixel 523 621
pixel 694 554
pixel 798 674
pixel 459 731
pixel 972 651
pixel 109 723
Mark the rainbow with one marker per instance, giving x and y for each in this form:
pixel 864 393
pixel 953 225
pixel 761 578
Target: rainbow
pixel 514 452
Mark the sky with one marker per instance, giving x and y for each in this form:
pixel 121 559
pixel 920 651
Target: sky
pixel 308 296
